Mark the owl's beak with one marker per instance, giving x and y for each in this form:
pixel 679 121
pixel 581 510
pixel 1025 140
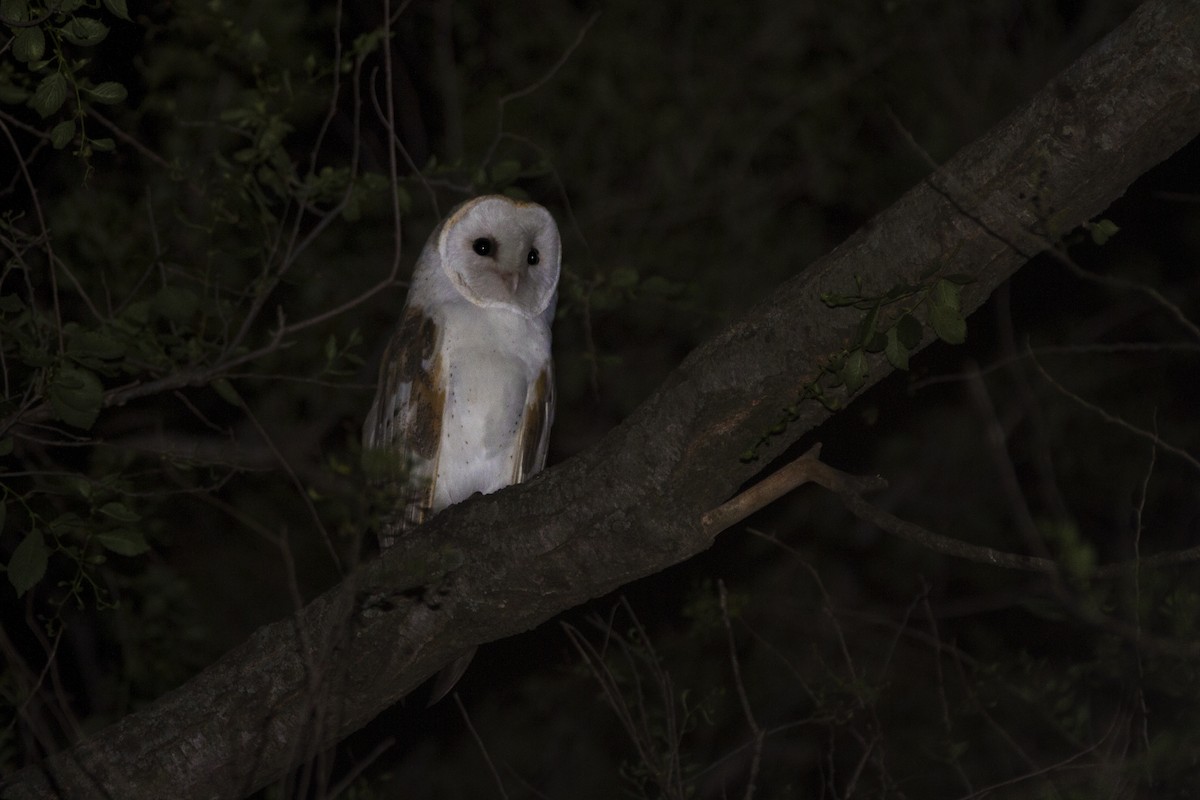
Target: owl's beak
pixel 511 279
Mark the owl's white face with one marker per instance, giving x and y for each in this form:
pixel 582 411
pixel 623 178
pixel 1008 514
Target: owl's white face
pixel 499 252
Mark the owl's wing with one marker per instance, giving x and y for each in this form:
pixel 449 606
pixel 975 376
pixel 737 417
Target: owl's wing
pixel 403 428
pixel 534 434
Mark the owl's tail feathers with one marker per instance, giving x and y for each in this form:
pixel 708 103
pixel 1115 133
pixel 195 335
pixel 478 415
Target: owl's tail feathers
pixel 445 680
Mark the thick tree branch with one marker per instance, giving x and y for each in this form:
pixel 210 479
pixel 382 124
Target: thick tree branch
pixel 632 505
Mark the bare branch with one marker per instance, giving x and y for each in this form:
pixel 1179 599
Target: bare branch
pixel 1113 419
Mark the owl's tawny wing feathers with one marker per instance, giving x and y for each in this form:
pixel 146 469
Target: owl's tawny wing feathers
pixel 404 425
pixel 535 427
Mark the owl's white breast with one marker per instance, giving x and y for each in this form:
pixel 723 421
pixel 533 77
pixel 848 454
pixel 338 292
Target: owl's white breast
pixel 491 357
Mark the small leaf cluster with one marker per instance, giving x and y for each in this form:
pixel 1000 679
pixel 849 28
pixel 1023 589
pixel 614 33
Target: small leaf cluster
pixel 488 174
pixel 150 337
pixel 263 172
pixel 891 325
pixel 621 292
pixel 1101 231
pixel 86 526
pixel 66 524
pixel 607 291
pixel 188 286
pixel 49 45
pixel 502 175
pixel 940 298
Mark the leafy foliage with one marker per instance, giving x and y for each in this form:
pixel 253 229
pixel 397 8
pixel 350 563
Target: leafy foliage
pixel 51 46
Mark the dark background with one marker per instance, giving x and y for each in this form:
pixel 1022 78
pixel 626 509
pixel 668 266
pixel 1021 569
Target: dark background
pixel 695 155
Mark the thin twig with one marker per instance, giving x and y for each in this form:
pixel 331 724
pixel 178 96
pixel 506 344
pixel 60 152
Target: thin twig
pixel 37 210
pixel 944 701
pixel 988 791
pixel 1139 511
pixel 300 490
pixel 487 759
pixel 539 83
pixel 747 711
pixel 390 123
pixel 1115 348
pixel 360 766
pixel 1112 419
pixel 1124 284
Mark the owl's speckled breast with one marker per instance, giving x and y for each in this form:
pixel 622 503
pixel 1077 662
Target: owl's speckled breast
pixel 494 358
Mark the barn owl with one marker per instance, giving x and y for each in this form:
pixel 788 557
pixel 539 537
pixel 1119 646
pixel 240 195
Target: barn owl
pixel 466 387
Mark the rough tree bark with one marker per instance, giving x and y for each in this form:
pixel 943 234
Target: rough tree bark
pixel 631 506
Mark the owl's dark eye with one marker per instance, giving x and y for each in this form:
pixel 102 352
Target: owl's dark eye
pixel 533 257
pixel 483 246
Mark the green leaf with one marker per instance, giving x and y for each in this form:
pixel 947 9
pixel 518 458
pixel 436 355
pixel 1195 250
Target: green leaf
pixel 374 182
pixel 117 8
pixel 877 343
pixel 15 10
pixel 946 293
pixel 105 145
pixel 658 285
pixel 331 348
pixel 28 562
pixel 908 331
pixel 62 134
pixel 866 328
pixel 50 94
pixel 1102 230
pixel 95 344
pixel 895 350
pixel 604 299
pixel 948 324
pixel 84 31
pixel 176 303
pixel 29 44
pixel 76 396
pixel 854 371
pixel 108 92
pixel 11 304
pixel 123 542
pixel 403 200
pixel 352 211
pixel 119 512
pixel 6 448
pixel 136 314
pixel 225 390
pixel 835 300
pixel 623 278
pixel 13 94
pixel 506 171
pixel 944 315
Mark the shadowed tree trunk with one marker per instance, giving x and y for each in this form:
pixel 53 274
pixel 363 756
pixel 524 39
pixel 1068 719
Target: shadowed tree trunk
pixel 633 504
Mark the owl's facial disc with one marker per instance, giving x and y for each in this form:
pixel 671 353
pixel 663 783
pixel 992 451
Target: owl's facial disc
pixel 502 253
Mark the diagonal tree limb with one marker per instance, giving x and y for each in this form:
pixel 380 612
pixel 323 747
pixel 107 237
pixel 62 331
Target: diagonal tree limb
pixel 632 505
